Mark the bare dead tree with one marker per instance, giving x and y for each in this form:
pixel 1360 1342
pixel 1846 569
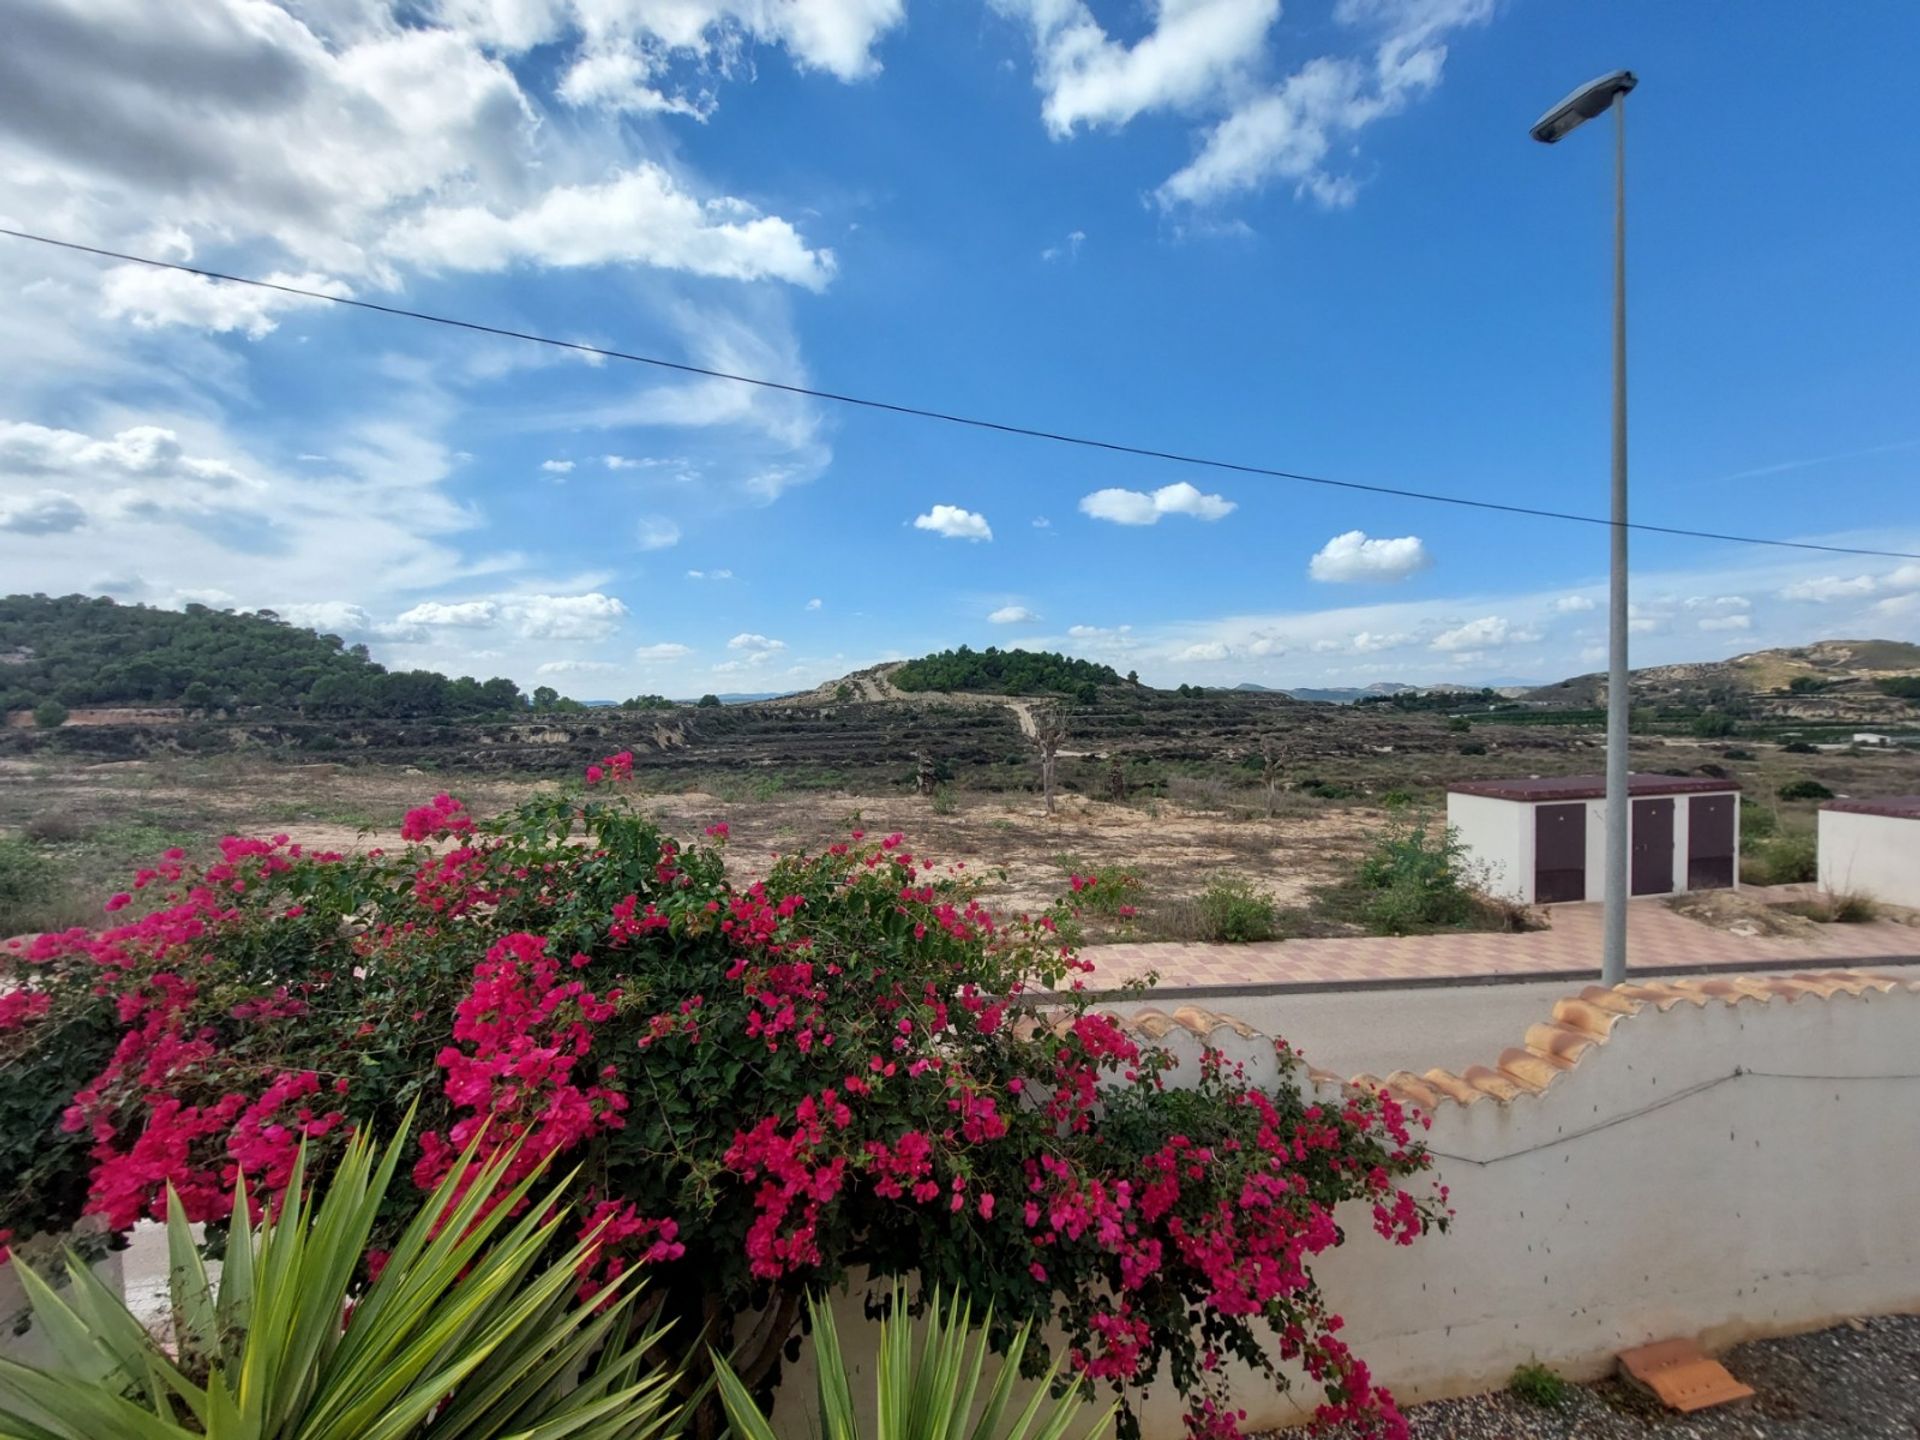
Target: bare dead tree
pixel 1272 758
pixel 1116 780
pixel 927 776
pixel 1049 733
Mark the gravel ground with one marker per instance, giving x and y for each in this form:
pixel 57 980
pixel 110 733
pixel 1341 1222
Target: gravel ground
pixel 1847 1383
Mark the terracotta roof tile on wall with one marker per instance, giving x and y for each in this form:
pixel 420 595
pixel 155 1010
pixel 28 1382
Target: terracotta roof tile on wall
pixel 1581 1024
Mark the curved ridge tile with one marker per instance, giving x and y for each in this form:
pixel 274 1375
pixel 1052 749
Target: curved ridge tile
pixel 1580 1024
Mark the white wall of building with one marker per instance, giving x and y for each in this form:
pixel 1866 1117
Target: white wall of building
pixel 1873 855
pixel 1499 836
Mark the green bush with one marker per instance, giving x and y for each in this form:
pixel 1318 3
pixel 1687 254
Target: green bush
pixel 1102 889
pixel 709 702
pixel 1414 878
pixel 27 879
pixel 1804 790
pixel 1535 1384
pixel 1906 687
pixel 1712 725
pixel 1459 723
pixel 1757 822
pixel 1798 747
pixel 1234 911
pixel 49 715
pixel 1781 860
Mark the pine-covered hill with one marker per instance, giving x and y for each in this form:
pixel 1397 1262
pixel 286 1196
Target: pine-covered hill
pixel 1003 672
pixel 81 650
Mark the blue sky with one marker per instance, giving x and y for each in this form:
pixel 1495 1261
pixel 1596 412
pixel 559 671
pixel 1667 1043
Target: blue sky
pixel 1302 234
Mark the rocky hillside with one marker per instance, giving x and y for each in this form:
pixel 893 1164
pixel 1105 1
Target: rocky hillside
pixel 1830 680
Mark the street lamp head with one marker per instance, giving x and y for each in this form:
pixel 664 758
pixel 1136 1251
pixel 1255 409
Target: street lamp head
pixel 1582 105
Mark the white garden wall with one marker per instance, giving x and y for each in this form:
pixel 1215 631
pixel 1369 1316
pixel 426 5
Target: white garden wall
pixel 1873 855
pixel 1714 1158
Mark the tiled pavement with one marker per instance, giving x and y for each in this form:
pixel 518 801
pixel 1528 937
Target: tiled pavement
pixel 1658 941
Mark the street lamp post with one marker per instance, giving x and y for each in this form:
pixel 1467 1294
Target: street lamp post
pixel 1596 97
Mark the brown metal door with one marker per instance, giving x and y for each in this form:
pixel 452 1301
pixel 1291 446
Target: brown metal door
pixel 1559 853
pixel 1710 842
pixel 1652 840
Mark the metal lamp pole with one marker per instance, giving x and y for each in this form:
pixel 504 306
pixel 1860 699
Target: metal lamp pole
pixel 1609 92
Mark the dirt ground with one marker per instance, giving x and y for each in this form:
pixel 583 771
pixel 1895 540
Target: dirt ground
pixel 86 821
pixel 103 820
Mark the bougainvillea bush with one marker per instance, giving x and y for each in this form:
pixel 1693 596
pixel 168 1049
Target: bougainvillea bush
pixel 847 1066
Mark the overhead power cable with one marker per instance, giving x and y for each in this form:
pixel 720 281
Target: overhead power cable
pixel 1114 447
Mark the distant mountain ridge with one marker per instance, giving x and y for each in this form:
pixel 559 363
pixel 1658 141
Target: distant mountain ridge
pixel 1828 680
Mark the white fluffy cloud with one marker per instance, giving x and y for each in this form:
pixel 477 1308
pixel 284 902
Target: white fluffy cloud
pixel 1827 588
pixel 1204 652
pixel 1367 642
pixel 565 617
pixel 655 532
pixel 1830 587
pixel 954 523
pixel 757 644
pixel 353 136
pixel 557 467
pixel 1139 507
pixel 1738 620
pixel 709 574
pixel 1489 632
pixel 151 299
pixel 813 604
pixel 1085 77
pixel 592 616
pixel 1290 132
pixel 754 650
pixel 462 614
pixel 663 651
pixel 1353 556
pixel 1575 605
pixel 1012 615
pixel 576 667
pixel 642 217
pixel 668 57
pixel 1207 58
pixel 330 617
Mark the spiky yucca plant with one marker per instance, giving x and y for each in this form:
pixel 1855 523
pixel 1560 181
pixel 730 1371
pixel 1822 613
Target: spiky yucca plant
pixel 925 1390
pixel 465 1335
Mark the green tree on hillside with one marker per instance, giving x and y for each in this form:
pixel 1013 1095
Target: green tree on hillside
pixel 86 650
pixel 1004 672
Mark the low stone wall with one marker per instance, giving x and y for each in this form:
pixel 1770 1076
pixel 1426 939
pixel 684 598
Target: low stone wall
pixel 1721 1158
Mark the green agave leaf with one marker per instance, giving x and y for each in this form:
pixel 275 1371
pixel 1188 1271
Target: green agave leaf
pixel 472 1332
pixel 196 1326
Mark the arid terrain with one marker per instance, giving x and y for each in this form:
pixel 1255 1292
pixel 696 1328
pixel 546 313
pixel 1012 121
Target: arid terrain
pixel 1168 790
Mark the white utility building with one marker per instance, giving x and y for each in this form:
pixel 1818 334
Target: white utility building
pixel 1543 840
pixel 1872 848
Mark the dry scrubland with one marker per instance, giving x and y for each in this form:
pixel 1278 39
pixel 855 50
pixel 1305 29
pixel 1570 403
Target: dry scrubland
pixel 79 808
